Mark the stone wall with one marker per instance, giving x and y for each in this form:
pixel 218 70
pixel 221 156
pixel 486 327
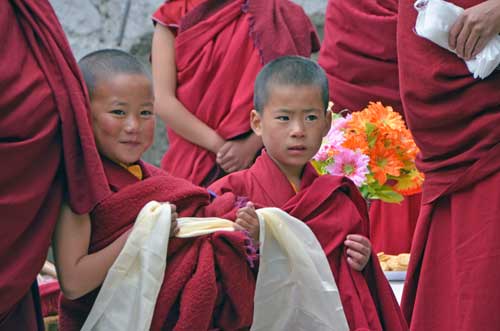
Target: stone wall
pixel 94 24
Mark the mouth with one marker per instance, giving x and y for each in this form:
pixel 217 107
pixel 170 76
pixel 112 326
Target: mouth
pixel 297 149
pixel 130 143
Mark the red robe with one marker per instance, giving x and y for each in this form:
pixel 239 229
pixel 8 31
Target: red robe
pixel 208 282
pixel 360 58
pixel 46 149
pixel 220 47
pixel 453 277
pixel 333 208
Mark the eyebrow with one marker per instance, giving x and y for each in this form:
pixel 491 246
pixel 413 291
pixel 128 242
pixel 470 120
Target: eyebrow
pixel 147 104
pixel 287 111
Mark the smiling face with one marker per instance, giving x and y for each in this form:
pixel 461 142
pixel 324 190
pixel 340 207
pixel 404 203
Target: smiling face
pixel 122 117
pixel 292 125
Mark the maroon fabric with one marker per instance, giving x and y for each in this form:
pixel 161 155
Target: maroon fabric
pixel 333 208
pixel 49 297
pixel 208 282
pixel 212 84
pixel 454 120
pixel 46 143
pixel 359 56
pixel 359 53
pixel 453 117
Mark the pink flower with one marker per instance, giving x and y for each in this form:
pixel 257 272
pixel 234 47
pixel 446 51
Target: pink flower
pixel 352 164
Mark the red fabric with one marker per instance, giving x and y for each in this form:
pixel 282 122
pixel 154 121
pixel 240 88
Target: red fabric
pixel 333 208
pixel 46 143
pixel 359 56
pixel 208 282
pixel 392 225
pixel 49 297
pixel 454 120
pixel 217 62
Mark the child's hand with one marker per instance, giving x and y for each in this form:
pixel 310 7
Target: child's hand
pixel 174 228
pixel 247 218
pixel 359 250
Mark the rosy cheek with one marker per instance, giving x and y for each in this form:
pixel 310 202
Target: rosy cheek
pixel 110 126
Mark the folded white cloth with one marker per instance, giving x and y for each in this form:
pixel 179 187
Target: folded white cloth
pixel 295 288
pixel 434 21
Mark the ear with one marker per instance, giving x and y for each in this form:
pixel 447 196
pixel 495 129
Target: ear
pixel 328 122
pixel 256 122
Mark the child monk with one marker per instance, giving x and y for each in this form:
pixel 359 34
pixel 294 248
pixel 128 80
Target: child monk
pixel 210 273
pixel 291 117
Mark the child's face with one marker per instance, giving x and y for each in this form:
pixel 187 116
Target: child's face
pixel 122 117
pixel 292 125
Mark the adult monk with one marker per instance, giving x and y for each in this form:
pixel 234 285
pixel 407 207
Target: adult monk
pixel 453 275
pixel 360 58
pixel 206 55
pixel 46 148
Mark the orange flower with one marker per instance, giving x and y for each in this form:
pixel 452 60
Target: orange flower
pixel 383 162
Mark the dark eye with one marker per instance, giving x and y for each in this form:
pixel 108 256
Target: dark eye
pixel 282 118
pixel 117 112
pixel 311 117
pixel 146 113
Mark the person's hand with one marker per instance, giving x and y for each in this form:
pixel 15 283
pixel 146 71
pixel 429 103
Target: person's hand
pixel 474 28
pixel 247 218
pixel 174 228
pixel 359 250
pixel 238 154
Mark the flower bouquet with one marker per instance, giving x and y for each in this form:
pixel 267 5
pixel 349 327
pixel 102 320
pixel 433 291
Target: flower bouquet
pixel 375 150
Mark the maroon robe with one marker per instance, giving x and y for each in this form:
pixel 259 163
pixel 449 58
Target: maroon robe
pixel 333 208
pixel 220 47
pixel 360 58
pixel 46 149
pixel 208 284
pixel 453 277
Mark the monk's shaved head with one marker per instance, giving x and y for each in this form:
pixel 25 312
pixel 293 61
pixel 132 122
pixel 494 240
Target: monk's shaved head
pixel 289 70
pixel 105 63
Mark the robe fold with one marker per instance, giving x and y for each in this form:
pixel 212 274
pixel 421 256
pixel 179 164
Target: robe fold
pixel 454 120
pixel 47 148
pixel 333 208
pixel 208 284
pixel 359 56
pixel 220 47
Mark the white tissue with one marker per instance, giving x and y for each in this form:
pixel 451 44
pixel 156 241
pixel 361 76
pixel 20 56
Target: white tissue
pixel 434 21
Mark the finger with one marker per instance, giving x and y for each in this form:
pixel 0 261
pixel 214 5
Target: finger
pixel 462 40
pixel 481 43
pixel 471 44
pixel 243 224
pixel 174 217
pixel 355 265
pixel 250 205
pixel 173 207
pixel 357 247
pixel 250 219
pixel 355 255
pixel 223 150
pixel 238 227
pixel 455 31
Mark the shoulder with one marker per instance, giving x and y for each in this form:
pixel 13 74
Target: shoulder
pixel 172 12
pixel 234 183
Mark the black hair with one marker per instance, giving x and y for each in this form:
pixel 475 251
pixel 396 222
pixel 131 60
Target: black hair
pixel 289 70
pixel 104 63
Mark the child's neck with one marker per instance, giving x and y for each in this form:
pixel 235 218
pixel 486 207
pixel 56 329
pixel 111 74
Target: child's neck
pixel 293 174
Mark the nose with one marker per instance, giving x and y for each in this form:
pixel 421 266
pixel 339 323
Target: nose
pixel 131 124
pixel 298 129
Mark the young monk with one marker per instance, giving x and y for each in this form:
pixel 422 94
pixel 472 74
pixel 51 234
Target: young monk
pixel 291 98
pixel 210 273
pixel 360 59
pixel 46 151
pixel 205 55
